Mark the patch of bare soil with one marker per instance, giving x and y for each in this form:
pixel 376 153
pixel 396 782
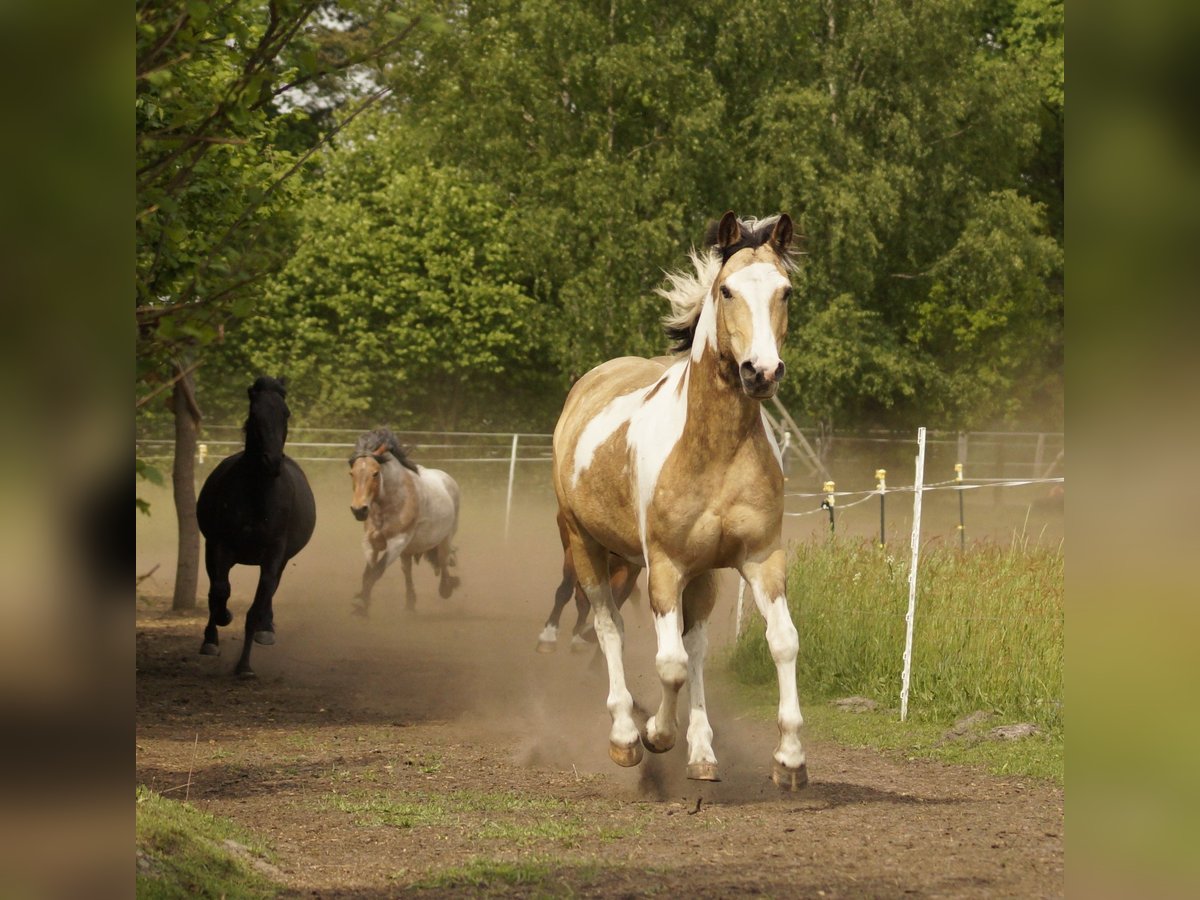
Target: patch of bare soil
pixel 441 742
pixel 436 753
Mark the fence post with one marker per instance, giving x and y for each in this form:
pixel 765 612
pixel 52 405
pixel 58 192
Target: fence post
pixel 737 625
pixel 512 471
pixel 918 485
pixel 881 478
pixel 962 525
pixel 829 501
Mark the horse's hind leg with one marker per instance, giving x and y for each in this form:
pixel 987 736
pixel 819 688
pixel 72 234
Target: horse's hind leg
pixel 591 568
pixel 217 561
pixel 445 558
pixel 698 600
pixel 260 624
pixel 584 634
pixel 548 639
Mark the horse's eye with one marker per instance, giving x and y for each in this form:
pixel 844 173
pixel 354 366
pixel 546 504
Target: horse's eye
pixel 376 475
pixel 787 294
pixel 725 292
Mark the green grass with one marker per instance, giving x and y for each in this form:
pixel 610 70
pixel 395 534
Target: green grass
pixel 187 855
pixel 484 873
pixel 988 635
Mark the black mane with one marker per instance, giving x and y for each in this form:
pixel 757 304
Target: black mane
pixel 367 444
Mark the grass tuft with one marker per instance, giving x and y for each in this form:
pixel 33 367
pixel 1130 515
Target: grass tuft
pixel 183 853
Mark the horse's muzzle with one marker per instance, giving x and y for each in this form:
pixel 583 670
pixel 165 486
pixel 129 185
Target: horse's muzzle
pixel 758 384
pixel 360 512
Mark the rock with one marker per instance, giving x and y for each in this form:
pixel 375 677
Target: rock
pixel 1013 732
pixel 967 726
pixel 855 704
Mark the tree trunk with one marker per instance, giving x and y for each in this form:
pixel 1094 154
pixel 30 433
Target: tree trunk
pixel 183 479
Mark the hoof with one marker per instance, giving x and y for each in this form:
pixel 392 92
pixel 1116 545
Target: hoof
pixel 246 674
pixel 790 779
pixel 446 588
pixel 625 756
pixel 579 645
pixel 703 771
pixel 359 609
pixel 207 649
pixel 653 748
pixel 266 638
pixel 547 647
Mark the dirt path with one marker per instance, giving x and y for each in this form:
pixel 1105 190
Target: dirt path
pixel 375 757
pixel 442 741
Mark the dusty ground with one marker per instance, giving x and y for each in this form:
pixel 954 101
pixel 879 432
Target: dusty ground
pixel 376 756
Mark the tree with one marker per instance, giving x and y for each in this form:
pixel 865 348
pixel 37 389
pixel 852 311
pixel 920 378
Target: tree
pixel 214 178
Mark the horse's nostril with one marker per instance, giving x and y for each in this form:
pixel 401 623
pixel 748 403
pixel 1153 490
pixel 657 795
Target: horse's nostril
pixel 748 370
pixel 779 372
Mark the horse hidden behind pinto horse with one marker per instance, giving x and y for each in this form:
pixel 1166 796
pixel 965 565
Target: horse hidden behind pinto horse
pixel 673 467
pixel 255 509
pixel 407 510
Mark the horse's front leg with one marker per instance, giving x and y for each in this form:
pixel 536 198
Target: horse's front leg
pixel 665 583
pixel 410 590
pixel 699 597
pixel 260 619
pixel 375 552
pixel 767 580
pixel 217 562
pixel 591 569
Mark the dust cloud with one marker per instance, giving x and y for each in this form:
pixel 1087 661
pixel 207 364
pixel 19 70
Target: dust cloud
pixel 469 662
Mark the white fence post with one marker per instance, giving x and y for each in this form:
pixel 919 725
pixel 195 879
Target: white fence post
pixel 512 471
pixel 737 625
pixel 918 484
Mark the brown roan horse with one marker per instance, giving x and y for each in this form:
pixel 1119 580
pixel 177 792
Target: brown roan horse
pixel 672 466
pixel 407 510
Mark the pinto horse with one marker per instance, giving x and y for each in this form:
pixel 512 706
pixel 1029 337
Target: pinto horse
pixel 255 509
pixel 622 578
pixel 674 468
pixel 408 510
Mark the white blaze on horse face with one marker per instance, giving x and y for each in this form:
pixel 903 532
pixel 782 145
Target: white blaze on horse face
pixel 757 285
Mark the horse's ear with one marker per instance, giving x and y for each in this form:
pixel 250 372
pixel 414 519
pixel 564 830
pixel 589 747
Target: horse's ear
pixel 781 234
pixel 728 232
pixel 380 453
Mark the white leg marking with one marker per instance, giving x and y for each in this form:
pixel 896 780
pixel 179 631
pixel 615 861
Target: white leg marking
pixel 609 631
pixel 699 734
pixel 672 664
pixel 785 645
pixel 549 635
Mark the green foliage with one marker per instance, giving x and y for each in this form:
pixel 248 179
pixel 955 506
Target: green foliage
pixel 539 163
pixel 185 853
pixel 988 629
pixel 143 470
pixel 402 301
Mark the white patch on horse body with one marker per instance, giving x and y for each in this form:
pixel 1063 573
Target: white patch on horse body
pixel 756 285
pixel 655 426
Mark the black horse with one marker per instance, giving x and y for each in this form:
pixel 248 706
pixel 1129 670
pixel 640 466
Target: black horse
pixel 255 509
